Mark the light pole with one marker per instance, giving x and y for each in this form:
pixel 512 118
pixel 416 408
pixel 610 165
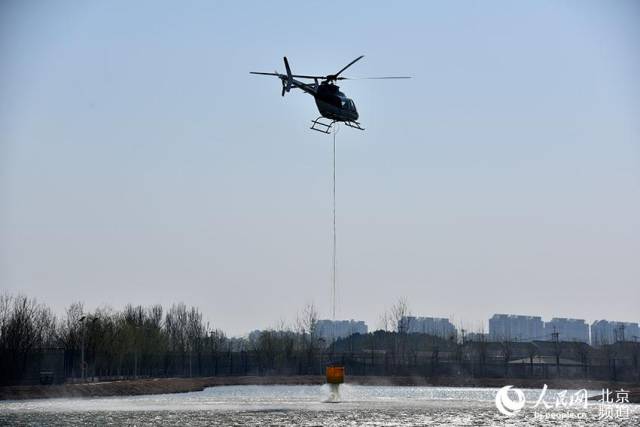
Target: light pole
pixel 82 319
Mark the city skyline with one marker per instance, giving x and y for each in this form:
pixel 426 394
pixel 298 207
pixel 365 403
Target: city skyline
pixel 601 331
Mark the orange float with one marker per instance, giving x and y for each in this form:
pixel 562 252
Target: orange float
pixel 335 374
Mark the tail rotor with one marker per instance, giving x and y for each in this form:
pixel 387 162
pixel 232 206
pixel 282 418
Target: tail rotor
pixel 286 85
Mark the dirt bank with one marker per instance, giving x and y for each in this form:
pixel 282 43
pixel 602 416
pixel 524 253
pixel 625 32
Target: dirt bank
pixel 182 385
pixel 145 386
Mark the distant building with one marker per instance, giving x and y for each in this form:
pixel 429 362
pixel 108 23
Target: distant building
pixel 568 329
pixel 609 332
pixel 334 329
pixel 515 327
pixel 438 326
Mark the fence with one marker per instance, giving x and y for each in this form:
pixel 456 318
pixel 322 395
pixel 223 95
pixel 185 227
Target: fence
pixel 57 366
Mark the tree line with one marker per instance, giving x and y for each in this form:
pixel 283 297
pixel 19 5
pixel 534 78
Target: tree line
pixel 143 341
pixel 154 341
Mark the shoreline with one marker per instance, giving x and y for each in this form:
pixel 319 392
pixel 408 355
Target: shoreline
pixel 185 385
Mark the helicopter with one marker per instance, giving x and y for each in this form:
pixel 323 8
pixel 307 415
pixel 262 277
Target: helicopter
pixel 332 104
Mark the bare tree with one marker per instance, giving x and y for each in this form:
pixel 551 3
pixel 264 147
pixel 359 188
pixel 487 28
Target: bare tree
pixel 506 349
pixel 399 316
pixel 217 341
pixel 307 323
pixel 397 319
pixel 287 344
pixel 532 351
pixel 25 326
pixel 195 335
pixel 384 321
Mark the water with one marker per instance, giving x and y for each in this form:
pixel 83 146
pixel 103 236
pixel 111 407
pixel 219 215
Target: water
pixel 298 405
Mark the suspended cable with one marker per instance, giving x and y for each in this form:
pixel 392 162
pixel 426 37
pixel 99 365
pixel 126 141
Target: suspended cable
pixel 334 247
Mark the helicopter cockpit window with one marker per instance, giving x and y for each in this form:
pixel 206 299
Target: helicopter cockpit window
pixel 348 104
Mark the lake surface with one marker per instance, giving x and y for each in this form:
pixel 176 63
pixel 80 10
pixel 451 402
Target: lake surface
pixel 307 406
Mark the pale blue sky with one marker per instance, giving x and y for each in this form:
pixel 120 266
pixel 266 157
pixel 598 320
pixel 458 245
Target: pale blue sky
pixel 140 162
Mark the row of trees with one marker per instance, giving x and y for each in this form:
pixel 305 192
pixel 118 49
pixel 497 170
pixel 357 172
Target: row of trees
pixel 142 341
pixel 134 341
pixel 153 342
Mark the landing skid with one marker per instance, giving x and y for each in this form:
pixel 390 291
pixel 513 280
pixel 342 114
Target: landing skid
pixel 354 125
pixel 320 124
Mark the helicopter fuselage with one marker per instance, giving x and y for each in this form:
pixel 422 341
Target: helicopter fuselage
pixel 334 104
pixel 331 103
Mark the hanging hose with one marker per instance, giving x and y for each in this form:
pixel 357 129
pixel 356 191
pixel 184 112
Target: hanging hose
pixel 334 249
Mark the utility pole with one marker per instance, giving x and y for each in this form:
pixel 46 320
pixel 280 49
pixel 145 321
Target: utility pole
pixel 555 336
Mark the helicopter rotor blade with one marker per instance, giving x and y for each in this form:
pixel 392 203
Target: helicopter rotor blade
pixel 264 74
pixel 374 78
pixel 329 78
pixel 298 76
pixel 335 76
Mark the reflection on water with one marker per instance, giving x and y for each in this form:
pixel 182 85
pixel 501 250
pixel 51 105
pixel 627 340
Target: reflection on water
pixel 334 394
pixel 292 405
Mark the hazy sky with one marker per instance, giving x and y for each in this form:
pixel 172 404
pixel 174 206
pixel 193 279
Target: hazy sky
pixel 140 162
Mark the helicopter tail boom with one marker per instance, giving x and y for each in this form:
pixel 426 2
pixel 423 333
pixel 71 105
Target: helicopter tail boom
pixel 289 80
